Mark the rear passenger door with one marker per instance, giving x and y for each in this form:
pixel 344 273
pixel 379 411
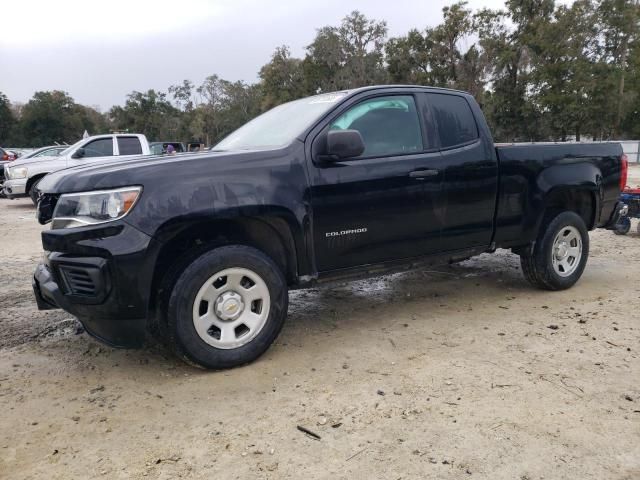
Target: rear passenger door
pixel 470 173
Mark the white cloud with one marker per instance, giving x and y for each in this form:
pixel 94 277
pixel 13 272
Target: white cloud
pixel 98 52
pixel 28 23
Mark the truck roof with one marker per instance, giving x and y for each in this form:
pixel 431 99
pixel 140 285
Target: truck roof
pixel 377 87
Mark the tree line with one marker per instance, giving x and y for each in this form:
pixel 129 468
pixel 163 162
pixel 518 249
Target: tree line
pixel 540 70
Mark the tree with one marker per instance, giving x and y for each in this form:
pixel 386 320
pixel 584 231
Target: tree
pixel 409 58
pixel 51 117
pixel 509 39
pixel 630 126
pixel 7 120
pixel 223 107
pixel 282 79
pixel 456 25
pixel 562 80
pixel 348 56
pixel 149 113
pixel 183 95
pixel 540 71
pixel 435 58
pixel 620 29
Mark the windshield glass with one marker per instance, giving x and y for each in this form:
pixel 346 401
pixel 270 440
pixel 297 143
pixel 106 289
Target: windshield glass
pixel 64 152
pixel 280 125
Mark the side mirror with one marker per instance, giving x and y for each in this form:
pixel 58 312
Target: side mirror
pixel 79 153
pixel 344 144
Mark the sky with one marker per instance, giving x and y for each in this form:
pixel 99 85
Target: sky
pixel 100 53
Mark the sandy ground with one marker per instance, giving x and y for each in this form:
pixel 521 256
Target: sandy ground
pixel 452 373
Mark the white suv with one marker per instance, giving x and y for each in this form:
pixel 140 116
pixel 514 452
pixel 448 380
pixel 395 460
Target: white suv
pixel 22 176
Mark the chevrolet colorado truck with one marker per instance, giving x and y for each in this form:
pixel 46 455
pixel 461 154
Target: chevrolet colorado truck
pixel 204 248
pixel 23 175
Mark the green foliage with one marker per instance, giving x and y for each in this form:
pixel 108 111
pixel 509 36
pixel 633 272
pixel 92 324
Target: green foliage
pixel 148 112
pixel 348 56
pixel 282 79
pixel 540 70
pixel 51 117
pixel 7 120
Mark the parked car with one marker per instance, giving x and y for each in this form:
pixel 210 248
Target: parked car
pixel 4 159
pixel 331 187
pixel 50 151
pixel 159 148
pixel 7 155
pixel 23 176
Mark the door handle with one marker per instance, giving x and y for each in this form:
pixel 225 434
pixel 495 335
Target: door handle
pixel 420 174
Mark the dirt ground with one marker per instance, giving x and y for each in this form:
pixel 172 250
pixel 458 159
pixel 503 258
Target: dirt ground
pixel 457 372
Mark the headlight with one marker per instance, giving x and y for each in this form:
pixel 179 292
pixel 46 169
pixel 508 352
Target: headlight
pixel 17 172
pixel 90 208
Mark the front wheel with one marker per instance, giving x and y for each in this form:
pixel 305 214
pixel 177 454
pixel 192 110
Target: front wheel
pixel 33 192
pixel 227 307
pixel 560 253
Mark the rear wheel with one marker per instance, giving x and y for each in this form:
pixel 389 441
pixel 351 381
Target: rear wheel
pixel 227 307
pixel 560 253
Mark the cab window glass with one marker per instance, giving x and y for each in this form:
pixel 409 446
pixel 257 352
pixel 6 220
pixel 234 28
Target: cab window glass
pixel 455 120
pixel 388 125
pixel 129 146
pixel 103 147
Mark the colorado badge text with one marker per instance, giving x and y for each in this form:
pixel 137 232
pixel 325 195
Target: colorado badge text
pixel 353 231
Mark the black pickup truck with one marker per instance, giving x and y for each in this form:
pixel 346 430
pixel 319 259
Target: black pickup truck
pixel 203 248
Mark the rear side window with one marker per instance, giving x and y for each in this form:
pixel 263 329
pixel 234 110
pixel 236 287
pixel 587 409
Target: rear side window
pixel 102 147
pixel 129 146
pixel 455 120
pixel 388 125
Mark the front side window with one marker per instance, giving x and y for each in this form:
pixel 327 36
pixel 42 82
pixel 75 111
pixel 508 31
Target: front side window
pixel 388 125
pixel 102 147
pixel 455 120
pixel 129 146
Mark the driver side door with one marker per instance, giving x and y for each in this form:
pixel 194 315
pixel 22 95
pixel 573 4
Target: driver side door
pixel 382 205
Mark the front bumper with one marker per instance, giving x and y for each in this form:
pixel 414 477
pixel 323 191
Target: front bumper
pixel 621 209
pixel 15 188
pixel 102 276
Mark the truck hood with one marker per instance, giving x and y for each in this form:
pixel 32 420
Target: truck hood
pixel 139 170
pixel 27 162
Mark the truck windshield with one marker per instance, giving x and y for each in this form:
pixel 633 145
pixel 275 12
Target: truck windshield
pixel 280 125
pixel 72 147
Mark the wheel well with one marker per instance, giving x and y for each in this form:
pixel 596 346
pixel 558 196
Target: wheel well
pixel 33 180
pixel 269 235
pixel 581 202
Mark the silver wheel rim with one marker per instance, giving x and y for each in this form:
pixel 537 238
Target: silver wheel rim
pixel 231 308
pixel 567 251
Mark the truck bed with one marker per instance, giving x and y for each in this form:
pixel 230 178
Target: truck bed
pixel 527 172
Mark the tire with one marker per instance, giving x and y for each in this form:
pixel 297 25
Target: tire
pixel 216 317
pixel 560 253
pixel 33 192
pixel 623 226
